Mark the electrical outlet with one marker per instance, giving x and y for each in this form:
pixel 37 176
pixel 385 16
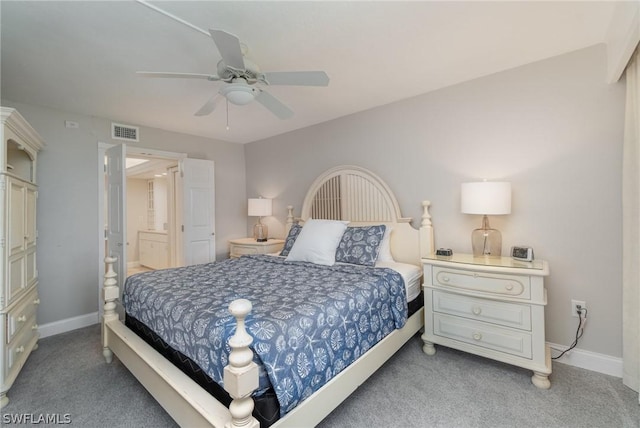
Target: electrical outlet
pixel 574 307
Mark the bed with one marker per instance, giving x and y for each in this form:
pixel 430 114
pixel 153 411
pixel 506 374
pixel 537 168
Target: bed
pixel 350 198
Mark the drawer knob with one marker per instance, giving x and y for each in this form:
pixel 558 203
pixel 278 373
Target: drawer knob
pixel 476 310
pixel 445 279
pixel 36 302
pixel 509 287
pixel 477 336
pixel 20 350
pixel 22 318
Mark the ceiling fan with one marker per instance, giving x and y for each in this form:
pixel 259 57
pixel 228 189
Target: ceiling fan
pixel 243 79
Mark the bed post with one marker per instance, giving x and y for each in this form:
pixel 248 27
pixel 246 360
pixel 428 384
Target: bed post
pixel 426 231
pixel 241 375
pixel 110 293
pixel 290 221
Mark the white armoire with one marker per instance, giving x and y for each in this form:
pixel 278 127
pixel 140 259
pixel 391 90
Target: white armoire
pixel 18 236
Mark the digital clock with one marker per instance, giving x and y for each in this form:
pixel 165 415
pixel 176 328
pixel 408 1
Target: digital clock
pixel 524 254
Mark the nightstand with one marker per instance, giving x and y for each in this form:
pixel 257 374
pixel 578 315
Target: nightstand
pixel 488 306
pixel 244 246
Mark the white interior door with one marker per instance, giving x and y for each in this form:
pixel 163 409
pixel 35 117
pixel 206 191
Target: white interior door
pixel 198 211
pixel 116 232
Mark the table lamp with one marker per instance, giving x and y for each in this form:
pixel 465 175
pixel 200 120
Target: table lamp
pixel 259 207
pixel 486 198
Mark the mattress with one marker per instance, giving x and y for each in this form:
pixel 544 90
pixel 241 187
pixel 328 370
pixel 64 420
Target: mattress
pixel 411 274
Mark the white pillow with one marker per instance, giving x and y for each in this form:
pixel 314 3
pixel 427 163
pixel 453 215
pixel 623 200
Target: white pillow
pixel 317 242
pixel 384 254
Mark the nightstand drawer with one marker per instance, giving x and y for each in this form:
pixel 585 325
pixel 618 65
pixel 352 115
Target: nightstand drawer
pixel 239 250
pixel 500 313
pixel 483 335
pixel 247 246
pixel 483 282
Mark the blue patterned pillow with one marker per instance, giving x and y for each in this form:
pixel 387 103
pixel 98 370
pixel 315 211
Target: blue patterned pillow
pixel 360 245
pixel 291 239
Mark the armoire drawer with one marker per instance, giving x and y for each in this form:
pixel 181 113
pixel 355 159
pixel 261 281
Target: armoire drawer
pixel 21 347
pixel 483 335
pixel 22 315
pixel 484 282
pixel 491 311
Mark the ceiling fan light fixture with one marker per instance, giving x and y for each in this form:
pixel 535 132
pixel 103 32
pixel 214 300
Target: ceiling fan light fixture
pixel 239 92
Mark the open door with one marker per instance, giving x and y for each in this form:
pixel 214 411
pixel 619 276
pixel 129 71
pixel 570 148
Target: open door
pixel 116 208
pixel 198 211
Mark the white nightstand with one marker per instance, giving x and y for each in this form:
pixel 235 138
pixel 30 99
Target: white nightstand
pixel 244 246
pixel 488 306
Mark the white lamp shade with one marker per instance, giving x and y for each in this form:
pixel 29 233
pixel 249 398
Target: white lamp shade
pixel 259 207
pixel 486 198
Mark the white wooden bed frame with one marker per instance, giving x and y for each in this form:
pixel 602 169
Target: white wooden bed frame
pixel 365 199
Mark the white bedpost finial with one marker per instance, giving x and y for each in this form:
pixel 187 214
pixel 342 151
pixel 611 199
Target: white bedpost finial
pixel 290 220
pixel 241 375
pixel 426 216
pixel 110 293
pixel 426 231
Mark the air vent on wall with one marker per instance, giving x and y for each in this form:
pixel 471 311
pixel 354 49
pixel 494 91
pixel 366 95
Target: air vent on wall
pixel 124 132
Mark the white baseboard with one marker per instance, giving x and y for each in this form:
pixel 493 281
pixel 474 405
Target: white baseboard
pixel 593 361
pixel 63 326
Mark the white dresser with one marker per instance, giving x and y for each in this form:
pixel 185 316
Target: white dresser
pixel 488 306
pixel 18 237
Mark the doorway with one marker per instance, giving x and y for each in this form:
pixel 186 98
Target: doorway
pixel 152 204
pixel 105 211
pixel 190 219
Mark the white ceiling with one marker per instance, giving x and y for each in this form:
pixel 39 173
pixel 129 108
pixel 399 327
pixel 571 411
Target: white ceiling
pixel 82 56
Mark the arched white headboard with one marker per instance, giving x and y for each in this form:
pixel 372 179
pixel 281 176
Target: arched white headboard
pixel 353 193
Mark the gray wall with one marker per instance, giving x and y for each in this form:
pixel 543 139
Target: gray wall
pixel 67 215
pixel 554 129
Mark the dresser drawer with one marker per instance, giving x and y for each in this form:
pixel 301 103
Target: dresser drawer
pixel 20 348
pixel 22 315
pixel 483 282
pixel 500 313
pixel 483 335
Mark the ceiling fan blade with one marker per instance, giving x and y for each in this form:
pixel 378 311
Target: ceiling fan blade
pixel 299 78
pixel 274 105
pixel 208 107
pixel 211 77
pixel 229 48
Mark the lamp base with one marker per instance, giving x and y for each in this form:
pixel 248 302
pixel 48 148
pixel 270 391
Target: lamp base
pixel 486 241
pixel 260 232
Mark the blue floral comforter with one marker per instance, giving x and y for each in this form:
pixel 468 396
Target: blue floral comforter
pixel 308 321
